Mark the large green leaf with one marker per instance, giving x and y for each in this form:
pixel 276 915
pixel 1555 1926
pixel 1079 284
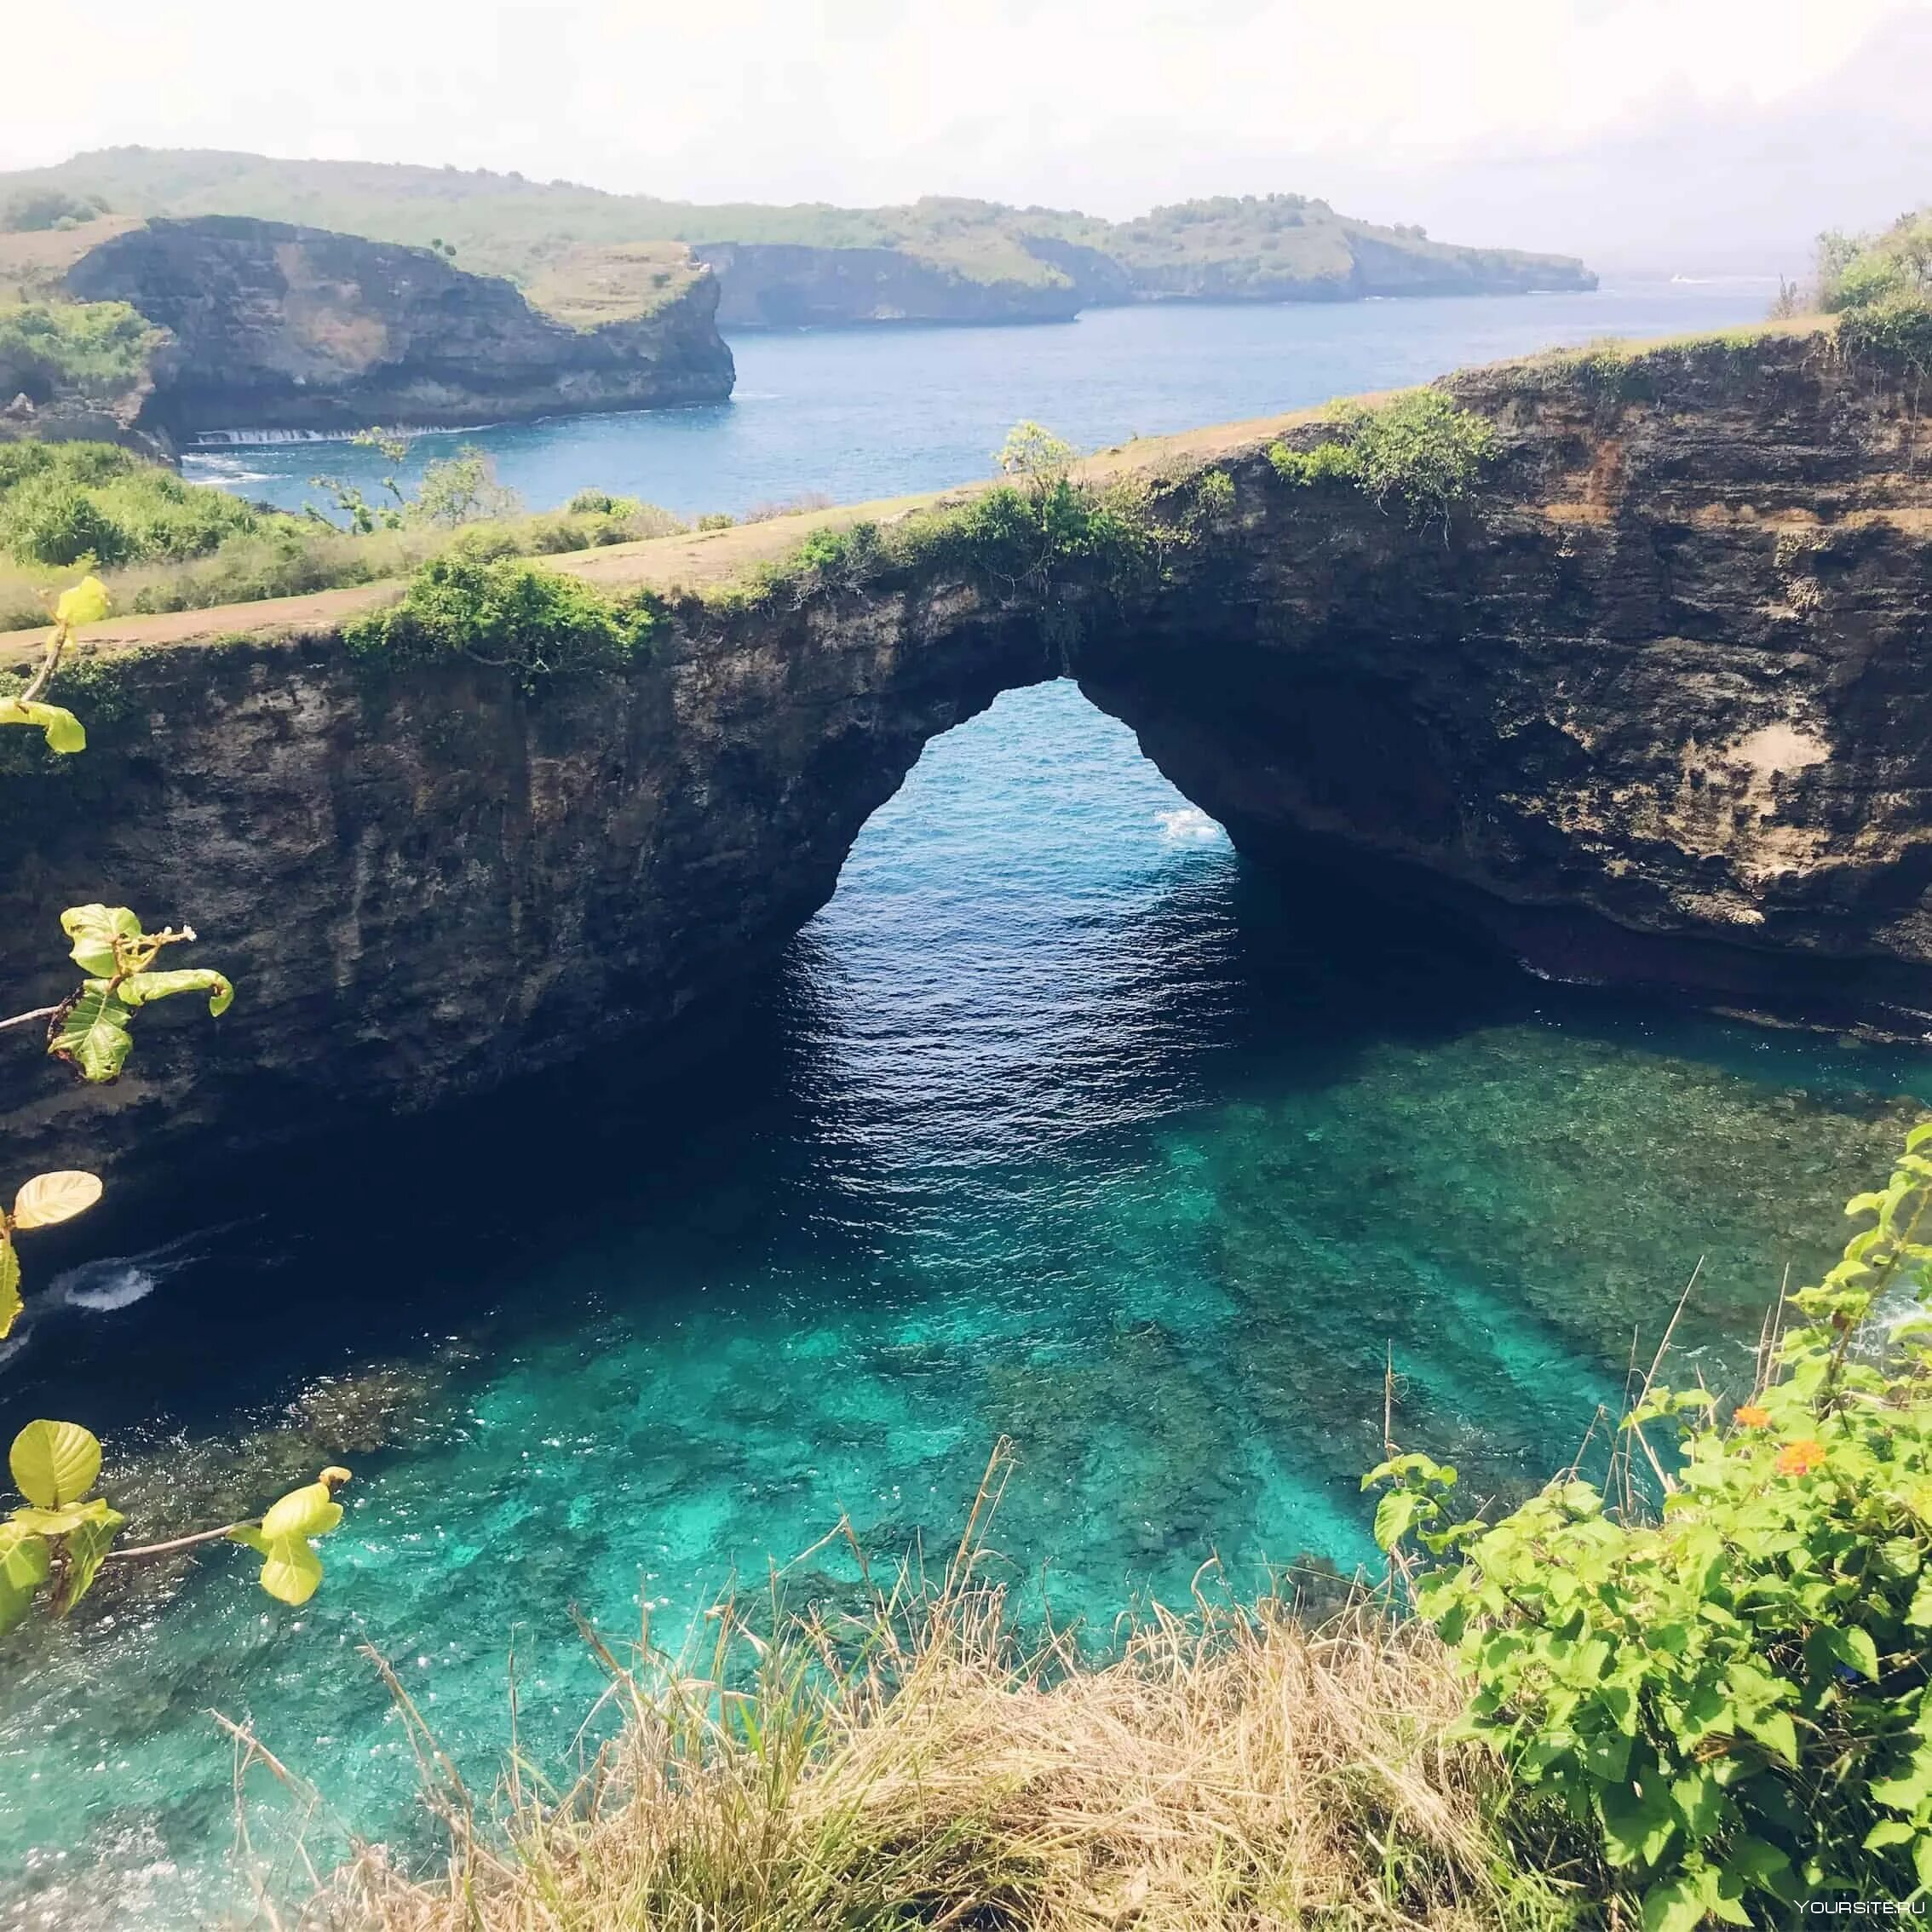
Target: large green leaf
pixel 85 1548
pixel 138 988
pixel 54 1464
pixel 290 1569
pixel 50 1199
pixel 1636 1825
pixel 310 1510
pixel 1677 1907
pixel 94 929
pixel 92 1034
pixel 61 729
pixel 85 602
pixel 1393 1515
pixel 10 1302
pixel 293 1571
pixel 23 1563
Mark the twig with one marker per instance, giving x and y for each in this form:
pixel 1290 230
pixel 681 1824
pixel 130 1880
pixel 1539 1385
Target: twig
pixel 23 1018
pixel 136 1552
pixel 1657 1362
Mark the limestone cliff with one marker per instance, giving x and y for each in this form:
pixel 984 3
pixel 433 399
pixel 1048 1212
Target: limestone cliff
pixel 277 326
pixel 781 286
pixel 1650 711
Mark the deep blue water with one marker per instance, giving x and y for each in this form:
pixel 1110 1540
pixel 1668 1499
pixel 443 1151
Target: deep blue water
pixel 1059 1124
pixel 859 413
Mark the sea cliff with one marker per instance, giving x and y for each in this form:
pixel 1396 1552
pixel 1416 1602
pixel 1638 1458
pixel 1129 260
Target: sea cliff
pixel 273 326
pixel 1647 711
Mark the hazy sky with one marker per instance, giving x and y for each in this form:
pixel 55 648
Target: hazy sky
pixel 1539 122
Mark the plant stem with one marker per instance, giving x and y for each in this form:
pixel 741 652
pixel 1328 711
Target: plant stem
pixel 21 1018
pixel 40 679
pixel 139 1550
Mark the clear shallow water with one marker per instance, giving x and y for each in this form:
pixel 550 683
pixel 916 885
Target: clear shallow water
pixel 1058 1124
pixel 860 413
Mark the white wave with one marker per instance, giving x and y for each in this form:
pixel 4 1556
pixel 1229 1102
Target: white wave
pixel 118 1281
pixel 1187 825
pixel 112 1284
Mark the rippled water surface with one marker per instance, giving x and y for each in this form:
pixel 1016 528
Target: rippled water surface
pixel 859 413
pixel 1058 1125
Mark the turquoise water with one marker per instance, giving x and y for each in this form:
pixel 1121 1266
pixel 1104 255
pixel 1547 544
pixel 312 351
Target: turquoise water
pixel 1057 1123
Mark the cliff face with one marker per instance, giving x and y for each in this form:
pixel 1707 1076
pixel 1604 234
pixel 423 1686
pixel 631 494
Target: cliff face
pixel 277 326
pixel 1650 712
pixel 785 286
pixel 778 285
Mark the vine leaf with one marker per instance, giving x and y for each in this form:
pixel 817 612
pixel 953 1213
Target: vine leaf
pixel 48 1199
pixel 85 1550
pixel 24 1561
pixel 290 1569
pixel 10 1302
pixel 54 1464
pixel 94 931
pixel 86 602
pixel 62 730
pixel 138 988
pixel 91 1032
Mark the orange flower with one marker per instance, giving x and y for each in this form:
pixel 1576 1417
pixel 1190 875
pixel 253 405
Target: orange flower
pixel 1748 1415
pixel 1800 1458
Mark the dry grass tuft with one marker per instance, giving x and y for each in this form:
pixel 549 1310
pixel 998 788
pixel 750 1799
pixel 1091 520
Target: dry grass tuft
pixel 1228 1769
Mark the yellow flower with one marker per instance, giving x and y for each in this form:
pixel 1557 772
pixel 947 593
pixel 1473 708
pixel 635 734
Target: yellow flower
pixel 1800 1458
pixel 86 603
pixel 1748 1415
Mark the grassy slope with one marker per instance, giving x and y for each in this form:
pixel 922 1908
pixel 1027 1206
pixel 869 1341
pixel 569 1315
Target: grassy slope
pixel 502 224
pixel 701 561
pixel 927 1765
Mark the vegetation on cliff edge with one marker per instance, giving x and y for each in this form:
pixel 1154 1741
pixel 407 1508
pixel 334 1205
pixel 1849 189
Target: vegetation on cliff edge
pixel 164 544
pixel 1880 287
pixel 93 352
pixel 1421 451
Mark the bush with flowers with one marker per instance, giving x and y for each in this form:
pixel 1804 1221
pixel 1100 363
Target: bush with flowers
pixel 1729 1691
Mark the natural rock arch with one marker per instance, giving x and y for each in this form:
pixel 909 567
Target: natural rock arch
pixel 1651 713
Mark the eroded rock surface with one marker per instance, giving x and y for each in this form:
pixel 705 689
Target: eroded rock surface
pixel 281 327
pixel 1652 712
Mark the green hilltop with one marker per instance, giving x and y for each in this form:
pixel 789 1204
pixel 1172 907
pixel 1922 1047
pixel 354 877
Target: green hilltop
pixel 1255 247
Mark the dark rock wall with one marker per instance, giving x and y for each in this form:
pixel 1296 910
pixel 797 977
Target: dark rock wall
pixel 1651 711
pixel 283 327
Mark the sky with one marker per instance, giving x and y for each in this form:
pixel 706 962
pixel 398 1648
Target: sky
pixel 1719 133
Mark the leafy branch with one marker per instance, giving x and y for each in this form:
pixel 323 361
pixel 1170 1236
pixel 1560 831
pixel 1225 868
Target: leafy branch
pixel 62 1534
pixel 86 603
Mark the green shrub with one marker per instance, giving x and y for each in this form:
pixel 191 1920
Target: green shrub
pixel 1880 287
pixel 1733 1694
pixel 1326 463
pixel 98 351
pixel 1421 450
pixel 38 210
pixel 62 502
pixel 61 524
pixel 602 503
pixel 505 612
pixel 1895 333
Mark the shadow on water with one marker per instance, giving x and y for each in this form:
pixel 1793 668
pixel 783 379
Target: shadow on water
pixel 332 1254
